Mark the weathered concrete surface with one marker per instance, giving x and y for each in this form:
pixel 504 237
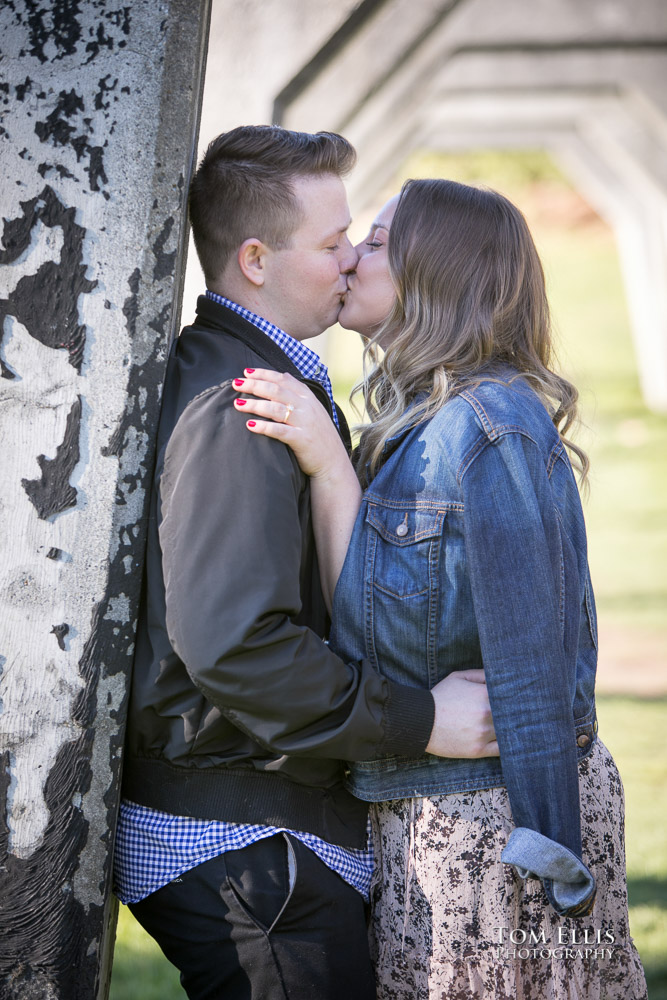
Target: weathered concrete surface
pixel 98 119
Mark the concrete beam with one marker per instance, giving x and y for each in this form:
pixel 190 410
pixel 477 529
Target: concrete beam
pixel 99 109
pixel 639 219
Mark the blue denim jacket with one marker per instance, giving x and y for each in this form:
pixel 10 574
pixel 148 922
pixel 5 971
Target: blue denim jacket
pixel 470 549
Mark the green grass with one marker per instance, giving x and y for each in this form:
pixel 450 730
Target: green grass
pixel 140 970
pixel 626 510
pixel 635 732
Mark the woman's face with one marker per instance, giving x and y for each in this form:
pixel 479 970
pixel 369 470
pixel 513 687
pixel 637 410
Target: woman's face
pixel 371 294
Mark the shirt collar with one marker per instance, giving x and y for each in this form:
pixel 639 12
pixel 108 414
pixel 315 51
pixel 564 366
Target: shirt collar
pixel 308 363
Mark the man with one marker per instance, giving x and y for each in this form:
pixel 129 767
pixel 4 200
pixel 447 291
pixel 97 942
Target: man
pixel 239 848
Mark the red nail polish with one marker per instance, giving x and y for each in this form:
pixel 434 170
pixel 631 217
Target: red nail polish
pixel 252 423
pixel 238 381
pixel 248 371
pixel 241 402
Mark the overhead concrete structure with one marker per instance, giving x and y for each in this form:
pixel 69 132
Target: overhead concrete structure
pixel 586 81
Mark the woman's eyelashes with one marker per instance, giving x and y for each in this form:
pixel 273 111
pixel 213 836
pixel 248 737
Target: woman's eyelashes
pixel 374 244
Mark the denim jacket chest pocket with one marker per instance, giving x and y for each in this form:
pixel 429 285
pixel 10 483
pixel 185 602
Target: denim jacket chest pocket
pixel 402 586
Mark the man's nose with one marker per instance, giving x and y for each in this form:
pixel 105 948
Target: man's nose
pixel 349 256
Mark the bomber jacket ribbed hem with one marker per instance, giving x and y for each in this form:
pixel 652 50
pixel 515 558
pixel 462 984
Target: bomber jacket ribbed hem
pixel 238 795
pixel 244 795
pixel 408 720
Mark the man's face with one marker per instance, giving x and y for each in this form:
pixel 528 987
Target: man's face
pixel 305 282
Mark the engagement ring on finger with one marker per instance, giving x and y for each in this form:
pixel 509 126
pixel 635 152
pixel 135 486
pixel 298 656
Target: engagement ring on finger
pixel 288 410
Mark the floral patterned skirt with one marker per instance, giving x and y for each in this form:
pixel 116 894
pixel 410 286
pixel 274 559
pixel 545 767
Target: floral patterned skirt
pixel 451 921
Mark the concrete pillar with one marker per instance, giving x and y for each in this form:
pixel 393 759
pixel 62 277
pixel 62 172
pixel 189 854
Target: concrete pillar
pixel 612 167
pixel 99 112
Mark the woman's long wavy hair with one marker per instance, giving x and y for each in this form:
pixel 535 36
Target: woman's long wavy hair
pixel 470 296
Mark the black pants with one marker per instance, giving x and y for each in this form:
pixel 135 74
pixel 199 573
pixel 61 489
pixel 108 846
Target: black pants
pixel 268 922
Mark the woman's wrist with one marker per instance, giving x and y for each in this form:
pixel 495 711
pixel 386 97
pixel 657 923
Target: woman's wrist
pixel 336 467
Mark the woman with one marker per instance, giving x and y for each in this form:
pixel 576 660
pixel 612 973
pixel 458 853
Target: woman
pixel 467 546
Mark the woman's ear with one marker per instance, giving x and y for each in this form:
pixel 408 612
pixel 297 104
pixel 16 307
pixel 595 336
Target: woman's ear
pixel 251 258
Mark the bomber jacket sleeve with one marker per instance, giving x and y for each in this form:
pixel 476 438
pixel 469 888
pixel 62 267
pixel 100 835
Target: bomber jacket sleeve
pixel 516 559
pixel 231 549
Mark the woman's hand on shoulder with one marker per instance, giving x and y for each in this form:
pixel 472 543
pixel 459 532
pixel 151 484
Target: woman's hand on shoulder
pixel 289 412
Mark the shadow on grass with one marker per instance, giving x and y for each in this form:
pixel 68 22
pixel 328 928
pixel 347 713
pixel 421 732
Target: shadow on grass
pixel 648 892
pixel 141 976
pixel 140 970
pixel 651 892
pixel 656 983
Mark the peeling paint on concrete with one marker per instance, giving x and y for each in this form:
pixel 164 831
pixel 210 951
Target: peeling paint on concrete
pixel 45 301
pixel 118 609
pixel 53 492
pixel 91 243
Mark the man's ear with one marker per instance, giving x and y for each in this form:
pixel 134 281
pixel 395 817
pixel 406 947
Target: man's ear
pixel 251 257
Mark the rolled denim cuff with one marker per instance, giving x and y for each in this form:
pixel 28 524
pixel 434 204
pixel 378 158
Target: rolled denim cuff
pixel 569 885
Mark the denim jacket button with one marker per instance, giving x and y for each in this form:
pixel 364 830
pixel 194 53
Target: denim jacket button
pixel 402 529
pixel 583 740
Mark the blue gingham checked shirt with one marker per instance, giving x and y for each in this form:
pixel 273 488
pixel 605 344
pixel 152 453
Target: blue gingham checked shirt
pixel 154 848
pixel 309 363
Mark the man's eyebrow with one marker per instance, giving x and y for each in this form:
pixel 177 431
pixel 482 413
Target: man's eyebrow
pixel 338 232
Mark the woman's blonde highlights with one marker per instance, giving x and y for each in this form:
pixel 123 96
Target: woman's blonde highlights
pixel 470 297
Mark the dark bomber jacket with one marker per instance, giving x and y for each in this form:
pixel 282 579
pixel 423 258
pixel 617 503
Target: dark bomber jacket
pixel 239 710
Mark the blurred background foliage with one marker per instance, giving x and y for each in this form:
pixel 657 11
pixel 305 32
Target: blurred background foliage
pixel 626 513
